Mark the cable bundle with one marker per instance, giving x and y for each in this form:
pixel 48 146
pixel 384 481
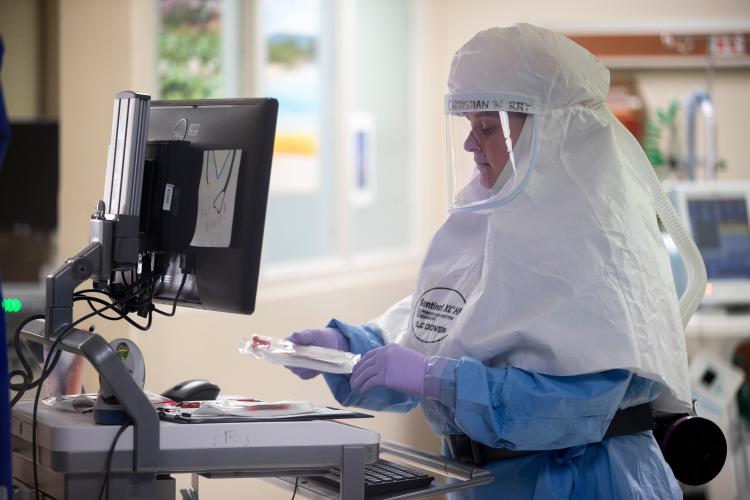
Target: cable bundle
pixel 123 298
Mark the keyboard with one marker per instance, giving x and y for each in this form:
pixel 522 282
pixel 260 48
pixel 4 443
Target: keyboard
pixel 382 477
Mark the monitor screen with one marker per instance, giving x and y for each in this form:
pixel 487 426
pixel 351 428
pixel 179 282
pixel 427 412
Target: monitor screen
pixel 208 166
pixel 721 231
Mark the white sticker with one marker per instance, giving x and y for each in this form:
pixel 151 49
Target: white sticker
pixel 168 190
pixel 216 197
pixel 434 313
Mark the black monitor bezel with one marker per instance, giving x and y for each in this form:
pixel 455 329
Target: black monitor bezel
pixel 226 279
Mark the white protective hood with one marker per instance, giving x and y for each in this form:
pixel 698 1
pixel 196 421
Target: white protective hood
pixel 570 276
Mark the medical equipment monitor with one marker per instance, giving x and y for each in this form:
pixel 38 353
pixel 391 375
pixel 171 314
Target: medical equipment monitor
pixel 716 214
pixel 205 189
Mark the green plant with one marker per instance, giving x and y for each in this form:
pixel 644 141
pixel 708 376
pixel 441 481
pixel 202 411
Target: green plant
pixel 189 50
pixel 651 144
pixel 666 119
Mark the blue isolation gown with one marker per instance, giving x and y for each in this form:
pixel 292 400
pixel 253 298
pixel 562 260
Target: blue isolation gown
pixel 515 409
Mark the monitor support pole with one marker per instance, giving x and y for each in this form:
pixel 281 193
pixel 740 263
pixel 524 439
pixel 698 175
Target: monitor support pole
pixel 113 244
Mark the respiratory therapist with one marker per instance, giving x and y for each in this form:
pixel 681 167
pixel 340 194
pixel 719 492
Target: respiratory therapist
pixel 545 302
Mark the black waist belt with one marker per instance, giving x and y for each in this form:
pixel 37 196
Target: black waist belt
pixel 628 421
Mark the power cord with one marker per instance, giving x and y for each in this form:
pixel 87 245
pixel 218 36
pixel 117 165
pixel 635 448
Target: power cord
pixel 92 300
pixel 27 374
pixel 46 370
pixel 136 289
pixel 148 282
pixel 176 297
pixel 108 466
pixel 296 483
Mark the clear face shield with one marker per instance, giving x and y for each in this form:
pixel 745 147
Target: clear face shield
pixel 490 141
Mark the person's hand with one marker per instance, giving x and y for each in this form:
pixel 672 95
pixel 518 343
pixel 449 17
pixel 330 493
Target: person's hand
pixel 329 337
pixel 393 366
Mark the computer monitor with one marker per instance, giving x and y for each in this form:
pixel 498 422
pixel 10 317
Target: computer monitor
pixel 716 214
pixel 203 205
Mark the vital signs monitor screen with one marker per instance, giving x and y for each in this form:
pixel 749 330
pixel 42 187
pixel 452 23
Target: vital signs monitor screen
pixel 721 232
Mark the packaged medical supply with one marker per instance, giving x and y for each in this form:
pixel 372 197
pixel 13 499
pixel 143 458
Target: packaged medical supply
pixel 284 352
pixel 83 403
pixel 247 408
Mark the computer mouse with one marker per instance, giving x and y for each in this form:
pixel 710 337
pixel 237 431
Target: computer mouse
pixel 192 390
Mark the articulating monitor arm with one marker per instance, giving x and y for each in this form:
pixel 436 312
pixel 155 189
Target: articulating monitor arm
pixel 111 369
pixel 113 246
pixel 95 260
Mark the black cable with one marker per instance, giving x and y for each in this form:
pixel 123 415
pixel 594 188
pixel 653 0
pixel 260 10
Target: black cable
pixel 101 315
pixel 108 466
pixel 149 289
pixel 54 353
pixel 176 298
pixel 69 328
pixel 296 483
pixel 83 294
pixel 46 370
pixel 26 374
pixel 34 383
pixel 23 388
pixel 88 299
pixel 127 288
pixel 121 314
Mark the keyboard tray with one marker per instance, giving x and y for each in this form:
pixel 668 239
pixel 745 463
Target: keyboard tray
pixel 383 477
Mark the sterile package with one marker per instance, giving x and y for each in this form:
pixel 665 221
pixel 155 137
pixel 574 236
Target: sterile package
pixel 284 352
pixel 240 408
pixel 83 403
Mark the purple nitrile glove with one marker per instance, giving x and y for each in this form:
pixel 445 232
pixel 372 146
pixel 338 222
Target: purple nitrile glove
pixel 329 337
pixel 393 366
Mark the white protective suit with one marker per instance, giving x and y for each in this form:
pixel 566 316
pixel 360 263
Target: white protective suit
pixel 561 271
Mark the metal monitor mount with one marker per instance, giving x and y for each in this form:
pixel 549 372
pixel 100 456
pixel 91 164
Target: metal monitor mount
pixel 113 245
